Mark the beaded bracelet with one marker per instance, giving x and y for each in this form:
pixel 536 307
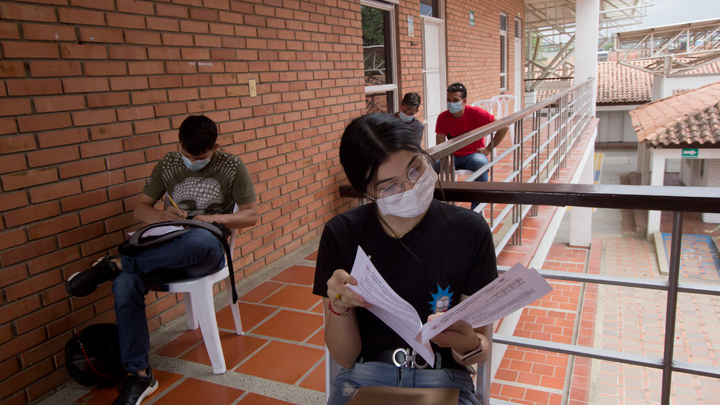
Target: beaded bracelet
pixel 336 313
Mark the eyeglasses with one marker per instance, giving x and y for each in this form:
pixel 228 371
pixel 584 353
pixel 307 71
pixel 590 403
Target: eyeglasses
pixel 454 89
pixel 393 192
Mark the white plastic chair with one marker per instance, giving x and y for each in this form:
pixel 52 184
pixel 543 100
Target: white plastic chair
pixel 504 110
pixel 489 105
pixel 200 308
pixel 483 378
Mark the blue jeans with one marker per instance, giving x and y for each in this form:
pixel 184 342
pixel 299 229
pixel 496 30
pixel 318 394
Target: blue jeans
pixel 383 374
pixel 473 162
pixel 194 254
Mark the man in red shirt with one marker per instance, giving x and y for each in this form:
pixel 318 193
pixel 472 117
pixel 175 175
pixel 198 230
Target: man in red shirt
pixel 459 119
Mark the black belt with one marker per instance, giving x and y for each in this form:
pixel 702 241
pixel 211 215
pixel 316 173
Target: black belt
pixel 408 358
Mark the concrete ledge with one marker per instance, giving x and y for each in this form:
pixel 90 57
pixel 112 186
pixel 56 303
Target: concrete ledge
pixel 661 256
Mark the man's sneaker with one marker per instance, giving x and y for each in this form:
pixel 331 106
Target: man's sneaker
pixel 136 388
pixel 85 282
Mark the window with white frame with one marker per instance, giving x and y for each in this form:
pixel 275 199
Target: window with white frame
pixel 378 36
pixel 503 51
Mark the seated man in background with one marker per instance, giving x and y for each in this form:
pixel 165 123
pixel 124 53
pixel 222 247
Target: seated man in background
pixel 459 119
pixel 205 183
pixel 408 108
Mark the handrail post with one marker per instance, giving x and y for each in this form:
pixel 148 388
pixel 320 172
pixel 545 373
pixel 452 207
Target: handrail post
pixel 671 311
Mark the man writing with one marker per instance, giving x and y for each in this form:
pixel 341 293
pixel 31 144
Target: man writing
pixel 205 183
pixel 408 108
pixel 459 119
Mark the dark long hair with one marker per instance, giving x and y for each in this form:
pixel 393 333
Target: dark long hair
pixel 368 142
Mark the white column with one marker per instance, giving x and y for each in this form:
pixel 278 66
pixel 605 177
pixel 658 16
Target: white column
pixel 587 20
pixel 657 179
pixel 581 217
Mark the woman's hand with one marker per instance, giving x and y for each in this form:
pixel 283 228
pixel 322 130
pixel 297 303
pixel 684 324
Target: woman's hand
pixel 172 213
pixel 341 296
pixel 459 336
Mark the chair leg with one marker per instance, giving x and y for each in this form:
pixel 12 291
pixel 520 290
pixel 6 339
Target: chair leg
pixel 190 313
pixel 235 309
pixel 209 328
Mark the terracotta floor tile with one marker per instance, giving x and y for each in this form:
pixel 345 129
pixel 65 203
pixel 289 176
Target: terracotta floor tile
pixel 235 349
pixel 192 391
pixel 261 292
pixel 316 379
pixel 105 396
pixel 293 296
pixel 296 275
pixel 280 361
pixel 255 399
pixel 318 338
pixel 313 256
pixel 290 325
pixel 250 315
pixel 181 344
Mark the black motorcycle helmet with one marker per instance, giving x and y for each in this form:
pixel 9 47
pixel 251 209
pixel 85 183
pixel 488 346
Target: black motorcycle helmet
pixel 92 357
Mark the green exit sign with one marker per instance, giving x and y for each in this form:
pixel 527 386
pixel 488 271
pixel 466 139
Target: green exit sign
pixel 691 153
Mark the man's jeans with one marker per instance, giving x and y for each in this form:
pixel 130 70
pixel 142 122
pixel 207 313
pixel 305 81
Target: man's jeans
pixel 194 254
pixel 473 162
pixel 382 374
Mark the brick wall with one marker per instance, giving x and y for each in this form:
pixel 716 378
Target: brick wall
pixel 474 51
pixel 91 95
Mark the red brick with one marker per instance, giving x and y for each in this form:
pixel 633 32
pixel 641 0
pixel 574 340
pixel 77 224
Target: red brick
pixel 125 190
pixel 84 200
pixel 15 106
pixel 22 253
pixel 12 69
pixel 74 319
pixel 142 38
pixel 54 191
pixel 128 52
pixel 176 39
pixel 12 238
pixel 55 68
pixel 125 20
pixel 203 14
pixel 11 275
pixel 135 113
pixel 146 68
pixel 81 168
pixel 93 117
pixel 47 157
pixel 55 259
pixel 96 4
pixel 162 24
pixel 98 148
pixel 13 200
pixel 79 16
pixel 12 163
pixel 139 7
pixel 26 179
pixel 48 32
pixel 81 234
pixel 9 31
pixel 42 317
pixel 102 180
pixel 167 10
pixel 140 142
pixel 101 212
pixel 20 308
pixel 183 94
pixel 105 35
pixel 105 68
pixel 164 53
pixel 85 85
pixel 44 122
pixel 128 83
pixel 126 159
pixel 27 12
pixel 138 172
pixel 195 54
pixel 83 51
pixel 53 226
pixel 62 137
pixel 207 41
pixel 143 127
pixel 7 126
pixel 108 99
pixel 166 109
pixel 149 97
pixel 60 103
pixel 111 131
pixel 34 87
pixel 19 345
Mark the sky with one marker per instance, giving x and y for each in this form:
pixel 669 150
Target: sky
pixel 666 12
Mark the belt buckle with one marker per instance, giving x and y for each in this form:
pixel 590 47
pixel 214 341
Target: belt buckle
pixel 409 359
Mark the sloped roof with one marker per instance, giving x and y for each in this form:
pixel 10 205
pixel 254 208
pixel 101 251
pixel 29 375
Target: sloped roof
pixel 621 84
pixel 691 117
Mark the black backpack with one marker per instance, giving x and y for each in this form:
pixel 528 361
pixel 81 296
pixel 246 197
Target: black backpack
pixel 92 357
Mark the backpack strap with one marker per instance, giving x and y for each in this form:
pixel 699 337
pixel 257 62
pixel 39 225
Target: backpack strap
pixel 138 242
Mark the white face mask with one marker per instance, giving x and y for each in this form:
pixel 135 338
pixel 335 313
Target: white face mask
pixel 454 107
pixel 415 201
pixel 196 164
pixel 405 118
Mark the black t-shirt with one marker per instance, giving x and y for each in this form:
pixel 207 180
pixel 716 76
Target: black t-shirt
pixel 455 255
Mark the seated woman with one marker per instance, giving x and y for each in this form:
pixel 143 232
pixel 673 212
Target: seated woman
pixel 432 254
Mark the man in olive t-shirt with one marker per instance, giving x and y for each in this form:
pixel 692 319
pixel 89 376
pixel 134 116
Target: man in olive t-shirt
pixel 202 183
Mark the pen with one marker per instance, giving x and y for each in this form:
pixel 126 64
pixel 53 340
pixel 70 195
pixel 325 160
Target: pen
pixel 173 202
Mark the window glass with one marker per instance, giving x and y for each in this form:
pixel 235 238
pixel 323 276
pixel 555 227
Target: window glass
pixel 376 49
pixel 430 8
pixel 503 52
pixel 380 102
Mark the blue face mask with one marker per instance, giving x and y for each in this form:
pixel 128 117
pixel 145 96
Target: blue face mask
pixel 197 164
pixel 405 118
pixel 454 107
